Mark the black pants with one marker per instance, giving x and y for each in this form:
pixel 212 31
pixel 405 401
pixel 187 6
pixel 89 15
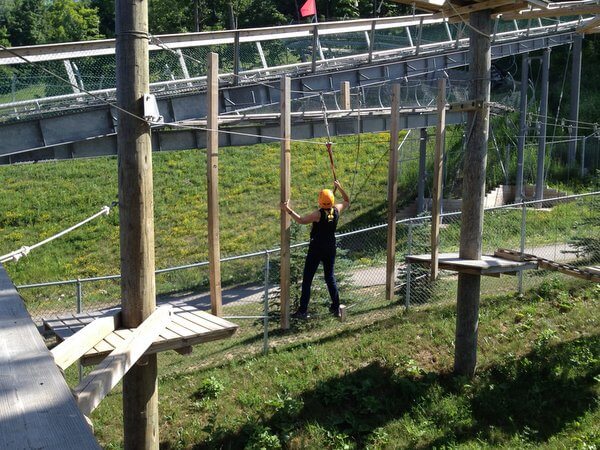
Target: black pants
pixel 317 254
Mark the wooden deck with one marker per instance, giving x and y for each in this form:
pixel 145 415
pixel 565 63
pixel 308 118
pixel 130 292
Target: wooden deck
pixel 188 326
pixel 487 265
pixel 37 409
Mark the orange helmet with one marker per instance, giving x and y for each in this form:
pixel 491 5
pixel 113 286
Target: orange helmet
pixel 326 199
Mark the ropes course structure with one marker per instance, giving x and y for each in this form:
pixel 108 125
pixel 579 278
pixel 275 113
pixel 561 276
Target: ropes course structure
pixel 148 325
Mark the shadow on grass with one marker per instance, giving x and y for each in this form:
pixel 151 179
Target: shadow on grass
pixel 533 396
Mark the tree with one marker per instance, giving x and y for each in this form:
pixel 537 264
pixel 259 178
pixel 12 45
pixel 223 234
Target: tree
pixel 106 14
pixel 71 20
pixel 261 13
pixel 22 21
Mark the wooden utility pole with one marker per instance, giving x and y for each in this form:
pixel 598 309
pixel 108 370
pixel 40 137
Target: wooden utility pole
pixel 136 217
pixel 390 273
pixel 345 94
pixel 285 189
pixel 468 293
pixel 438 167
pixel 422 169
pixel 212 175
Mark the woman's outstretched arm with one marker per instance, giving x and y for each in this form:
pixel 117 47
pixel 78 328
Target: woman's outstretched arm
pixel 303 220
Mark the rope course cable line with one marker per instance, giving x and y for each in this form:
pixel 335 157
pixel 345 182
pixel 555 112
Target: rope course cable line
pixel 239 133
pixel 25 250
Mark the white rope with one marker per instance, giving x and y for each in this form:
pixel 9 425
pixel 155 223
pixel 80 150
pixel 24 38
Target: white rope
pixel 24 251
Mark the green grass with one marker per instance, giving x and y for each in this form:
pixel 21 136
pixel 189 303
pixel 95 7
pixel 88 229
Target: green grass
pixel 383 381
pixel 38 200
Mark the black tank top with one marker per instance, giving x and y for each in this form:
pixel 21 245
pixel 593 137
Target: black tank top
pixel 323 231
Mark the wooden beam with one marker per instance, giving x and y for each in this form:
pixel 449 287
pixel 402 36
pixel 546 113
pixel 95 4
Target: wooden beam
pixel 212 174
pixel 451 10
pixel 427 5
pixel 438 165
pixel 345 94
pixel 90 392
pixel 390 273
pixel 75 346
pixel 551 11
pixel 285 192
pixel 589 26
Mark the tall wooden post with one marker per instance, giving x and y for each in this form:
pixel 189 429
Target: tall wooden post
pixel 136 218
pixel 471 229
pixel 285 181
pixel 345 94
pixel 212 174
pixel 390 273
pixel 422 169
pixel 438 167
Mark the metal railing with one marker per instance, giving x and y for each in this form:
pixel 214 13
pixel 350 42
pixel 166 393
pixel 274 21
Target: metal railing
pixel 177 62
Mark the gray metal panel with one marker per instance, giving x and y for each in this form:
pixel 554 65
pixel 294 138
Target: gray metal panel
pixel 75 127
pixel 95 147
pixel 374 124
pixel 176 140
pixel 20 136
pixel 189 107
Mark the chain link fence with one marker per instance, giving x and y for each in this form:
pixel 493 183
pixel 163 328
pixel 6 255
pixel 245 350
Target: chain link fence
pixel 565 230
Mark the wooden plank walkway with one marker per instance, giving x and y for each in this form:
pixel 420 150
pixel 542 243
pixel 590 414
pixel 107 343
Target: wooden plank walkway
pixel 189 326
pixel 487 265
pixel 37 409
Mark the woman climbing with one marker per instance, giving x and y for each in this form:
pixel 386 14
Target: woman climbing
pixel 322 246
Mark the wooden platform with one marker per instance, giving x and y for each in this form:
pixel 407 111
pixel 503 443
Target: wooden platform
pixel 188 326
pixel 37 409
pixel 487 265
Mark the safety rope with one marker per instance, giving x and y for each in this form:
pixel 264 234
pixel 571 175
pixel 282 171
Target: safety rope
pixel 328 144
pixel 24 251
pixel 358 142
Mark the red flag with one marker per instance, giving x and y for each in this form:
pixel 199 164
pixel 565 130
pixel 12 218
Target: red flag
pixel 308 9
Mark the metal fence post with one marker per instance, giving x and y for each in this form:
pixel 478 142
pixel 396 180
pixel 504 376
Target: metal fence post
pixel 408 265
pixel 79 307
pixel 266 306
pixel 523 231
pixel 79 296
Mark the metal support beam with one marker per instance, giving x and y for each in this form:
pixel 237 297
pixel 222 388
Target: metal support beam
pixel 522 126
pixel 541 156
pixel 574 101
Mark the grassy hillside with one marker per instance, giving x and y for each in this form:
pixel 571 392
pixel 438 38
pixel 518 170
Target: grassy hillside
pixel 383 382
pixel 38 200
